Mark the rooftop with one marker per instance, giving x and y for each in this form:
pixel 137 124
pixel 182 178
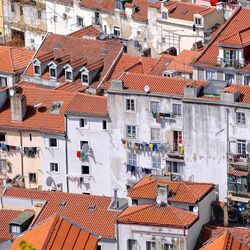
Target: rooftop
pixel 91 31
pixel 180 191
pixel 57 232
pixel 156 215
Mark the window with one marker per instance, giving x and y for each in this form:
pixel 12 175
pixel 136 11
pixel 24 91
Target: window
pixel 117 31
pixel 137 44
pixel 132 159
pixel 55 18
pixel 97 20
pixel 83 123
pixel 134 202
pixel 155 134
pixel 99 248
pixel 3 81
pixel 240 118
pixel 39 14
pixel 229 77
pixel 132 244
pixel 85 77
pixel 230 57
pixel 2 137
pixel 130 105
pixel 154 106
pixel 241 147
pixel 21 10
pixel 105 28
pixel 138 32
pixel 82 143
pixel 30 137
pixel 54 168
pixel 104 125
pixel 12 7
pixel 210 75
pixel 37 69
pixel 85 169
pixel 156 162
pixel 177 140
pixel 15 229
pixel 131 131
pixel 32 178
pixel 168 247
pixel 198 21
pixel 79 21
pixel 150 245
pixel 164 15
pixel 52 72
pixel 172 166
pixel 68 75
pixel 176 109
pixel 53 142
pixel 246 80
pixel 163 40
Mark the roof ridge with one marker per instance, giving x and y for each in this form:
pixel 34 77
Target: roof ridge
pixel 11 59
pixel 176 211
pixel 143 207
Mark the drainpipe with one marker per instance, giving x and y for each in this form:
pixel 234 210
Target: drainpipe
pixel 117 236
pixel 21 145
pixel 227 121
pixel 66 152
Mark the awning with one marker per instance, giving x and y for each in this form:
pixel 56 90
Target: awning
pixel 238 198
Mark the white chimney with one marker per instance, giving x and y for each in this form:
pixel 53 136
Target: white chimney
pixel 162 195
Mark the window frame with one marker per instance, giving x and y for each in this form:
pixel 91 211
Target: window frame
pixel 150 245
pixel 164 15
pixel 50 167
pixel 85 174
pixel 130 110
pixel 117 29
pixel 132 159
pixel 40 70
pixel 39 14
pixel 85 122
pixel 85 74
pixel 241 147
pixel 104 125
pixel 3 81
pixel 132 134
pixel 55 69
pixel 131 243
pixel 233 81
pixel 240 116
pixel 198 23
pixel 158 137
pixel 3 134
pixel 156 162
pixel 21 10
pixel 71 73
pixel 178 109
pixel 50 145
pixel 79 21
pixel 208 71
pixel 36 179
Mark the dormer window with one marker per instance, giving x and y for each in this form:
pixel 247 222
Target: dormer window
pixel 69 75
pixel 85 78
pixel 164 15
pixel 230 57
pixel 37 70
pixel 198 21
pixel 52 72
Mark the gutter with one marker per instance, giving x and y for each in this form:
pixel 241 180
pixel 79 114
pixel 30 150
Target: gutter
pixel 66 151
pixel 21 145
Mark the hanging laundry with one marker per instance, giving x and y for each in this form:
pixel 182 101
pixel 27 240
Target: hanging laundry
pixel 154 114
pixel 78 154
pixel 30 151
pixel 83 156
pixel 151 146
pixel 155 147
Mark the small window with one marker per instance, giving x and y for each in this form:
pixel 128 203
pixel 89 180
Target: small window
pixel 246 80
pixel 65 16
pixel 156 162
pixel 21 10
pixel 150 245
pixel 54 168
pixel 99 247
pixel 210 75
pixel 137 44
pixel 53 142
pixel 32 178
pixel 134 202
pixel 2 137
pixel 131 132
pixel 86 193
pixel 30 137
pixel 117 31
pixel 104 125
pixel 241 147
pixel 176 109
pixel 229 77
pixel 85 78
pixel 154 106
pixel 3 81
pixel 198 21
pixel 52 72
pixel 132 159
pixel 83 123
pixel 168 247
pixel 164 15
pixel 55 18
pixel 163 40
pixel 138 32
pixel 191 208
pixel 240 118
pixel 132 245
pixel 39 14
pixel 12 7
pixel 130 104
pixel 155 134
pixel 68 76
pixel 79 21
pixel 37 70
pixel 15 229
pixel 85 169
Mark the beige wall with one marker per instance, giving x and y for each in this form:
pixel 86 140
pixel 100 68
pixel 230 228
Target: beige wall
pixel 30 165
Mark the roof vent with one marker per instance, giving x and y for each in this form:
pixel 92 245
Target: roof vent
pixel 105 51
pixel 62 204
pixel 58 45
pixel 56 107
pixel 92 207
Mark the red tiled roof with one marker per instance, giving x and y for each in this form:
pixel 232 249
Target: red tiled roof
pixel 133 64
pixel 244 91
pixel 157 215
pixel 103 5
pixel 100 221
pixel 237 172
pixel 73 48
pixel 38 119
pixel 70 87
pixel 57 233
pixel 6 216
pixel 92 31
pixel 231 31
pixel 225 241
pixel 210 232
pixel 88 104
pixel 185 192
pixel 186 11
pixel 14 59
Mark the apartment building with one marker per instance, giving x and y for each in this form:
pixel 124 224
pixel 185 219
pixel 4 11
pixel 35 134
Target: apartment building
pixel 25 22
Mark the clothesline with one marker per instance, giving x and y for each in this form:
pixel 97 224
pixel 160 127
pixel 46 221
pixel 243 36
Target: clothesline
pixel 29 151
pixel 138 171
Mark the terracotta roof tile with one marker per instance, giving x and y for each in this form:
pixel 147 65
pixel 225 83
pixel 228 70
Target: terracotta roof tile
pixel 88 104
pixel 103 5
pixel 101 221
pixel 89 31
pixel 57 233
pixel 225 241
pixel 237 172
pixel 157 215
pixel 6 216
pixel 184 192
pixel 70 87
pixel 14 59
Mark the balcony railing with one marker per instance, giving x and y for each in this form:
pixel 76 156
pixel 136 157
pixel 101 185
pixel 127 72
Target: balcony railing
pixel 233 63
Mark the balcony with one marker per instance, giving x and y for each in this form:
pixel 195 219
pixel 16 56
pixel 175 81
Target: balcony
pixel 239 160
pixel 177 153
pixel 230 63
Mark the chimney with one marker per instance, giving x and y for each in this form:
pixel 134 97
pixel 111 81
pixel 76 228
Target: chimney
pixel 229 97
pixel 115 202
pixel 192 90
pixel 18 104
pixel 162 195
pixel 3 96
pixel 117 84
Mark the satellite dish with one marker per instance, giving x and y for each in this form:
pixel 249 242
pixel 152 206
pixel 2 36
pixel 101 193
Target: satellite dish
pixel 146 88
pixel 158 200
pixel 102 36
pixel 85 148
pixel 49 181
pixel 196 210
pixel 248 147
pixel 12 92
